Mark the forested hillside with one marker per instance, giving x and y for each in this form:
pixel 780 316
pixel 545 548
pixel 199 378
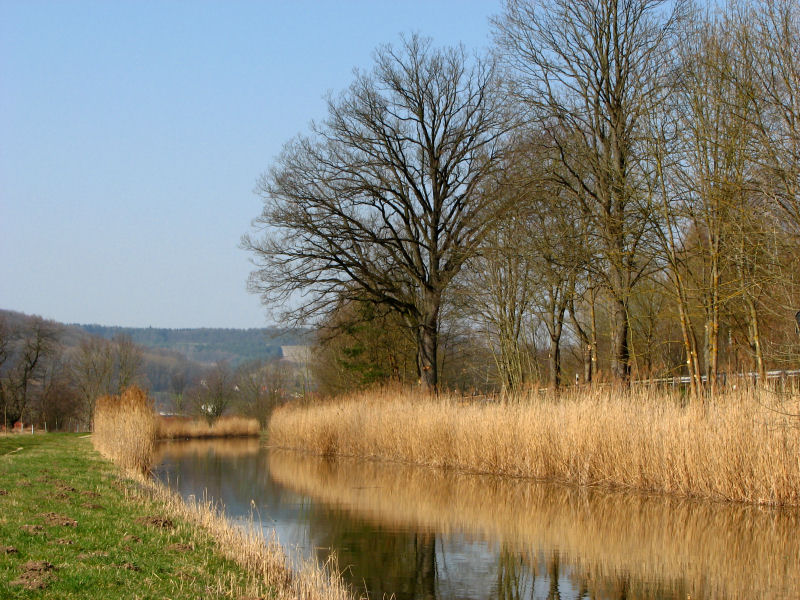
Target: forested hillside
pixel 51 373
pixel 209 345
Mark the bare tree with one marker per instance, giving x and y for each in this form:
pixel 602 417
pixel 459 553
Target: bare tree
pixel 768 32
pixel 178 383
pixel 384 202
pixel 93 372
pixel 24 354
pixel 57 401
pixel 128 359
pixel 216 392
pixel 715 165
pixel 262 388
pixel 591 70
pixel 496 289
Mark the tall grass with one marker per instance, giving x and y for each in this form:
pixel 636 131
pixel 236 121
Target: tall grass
pixel 721 551
pixel 171 428
pixel 124 429
pixel 735 448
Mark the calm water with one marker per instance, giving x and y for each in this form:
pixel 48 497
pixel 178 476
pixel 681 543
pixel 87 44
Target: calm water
pixel 421 533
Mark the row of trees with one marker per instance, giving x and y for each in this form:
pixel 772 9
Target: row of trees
pixel 43 380
pixel 620 180
pixel 253 390
pixel 52 380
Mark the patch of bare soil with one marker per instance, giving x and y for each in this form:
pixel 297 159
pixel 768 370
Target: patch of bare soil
pixel 132 538
pixel 58 520
pixel 8 550
pixel 64 542
pixel 181 547
pixel 94 554
pixel 156 521
pixel 32 528
pixel 89 494
pixel 3 492
pixel 129 566
pixel 65 487
pixel 36 575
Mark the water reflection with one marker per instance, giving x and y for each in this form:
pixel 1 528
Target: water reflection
pixel 422 533
pixel 230 447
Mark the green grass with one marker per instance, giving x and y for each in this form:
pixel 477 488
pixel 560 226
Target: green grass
pixel 112 551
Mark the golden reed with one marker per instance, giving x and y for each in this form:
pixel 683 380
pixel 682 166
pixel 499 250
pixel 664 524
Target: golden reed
pixel 124 429
pixel 732 551
pixel 171 428
pixel 740 447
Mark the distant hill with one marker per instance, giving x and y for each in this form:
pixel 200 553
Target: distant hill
pixel 167 353
pixel 210 345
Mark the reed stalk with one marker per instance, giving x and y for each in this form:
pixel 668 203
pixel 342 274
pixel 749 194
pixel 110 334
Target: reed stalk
pixel 124 429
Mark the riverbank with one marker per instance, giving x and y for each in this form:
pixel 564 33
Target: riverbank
pixel 72 526
pixel 125 430
pixel 742 447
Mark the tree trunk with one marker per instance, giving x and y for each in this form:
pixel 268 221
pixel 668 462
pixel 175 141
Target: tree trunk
pixel 427 346
pixel 689 345
pixel 620 360
pixel 554 363
pixel 755 341
pixel 593 333
pixel 585 341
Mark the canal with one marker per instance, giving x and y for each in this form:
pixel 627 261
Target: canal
pixel 420 533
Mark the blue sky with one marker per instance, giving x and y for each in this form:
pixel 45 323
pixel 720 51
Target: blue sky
pixel 132 134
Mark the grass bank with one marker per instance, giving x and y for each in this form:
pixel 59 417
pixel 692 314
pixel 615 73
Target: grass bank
pixel 72 526
pixel 741 447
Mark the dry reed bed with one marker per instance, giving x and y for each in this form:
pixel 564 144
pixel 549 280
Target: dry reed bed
pixel 733 449
pixel 170 428
pixel 125 430
pixel 730 551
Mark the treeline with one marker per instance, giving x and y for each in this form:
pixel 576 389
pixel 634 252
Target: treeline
pixel 208 345
pixel 614 191
pixel 51 376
